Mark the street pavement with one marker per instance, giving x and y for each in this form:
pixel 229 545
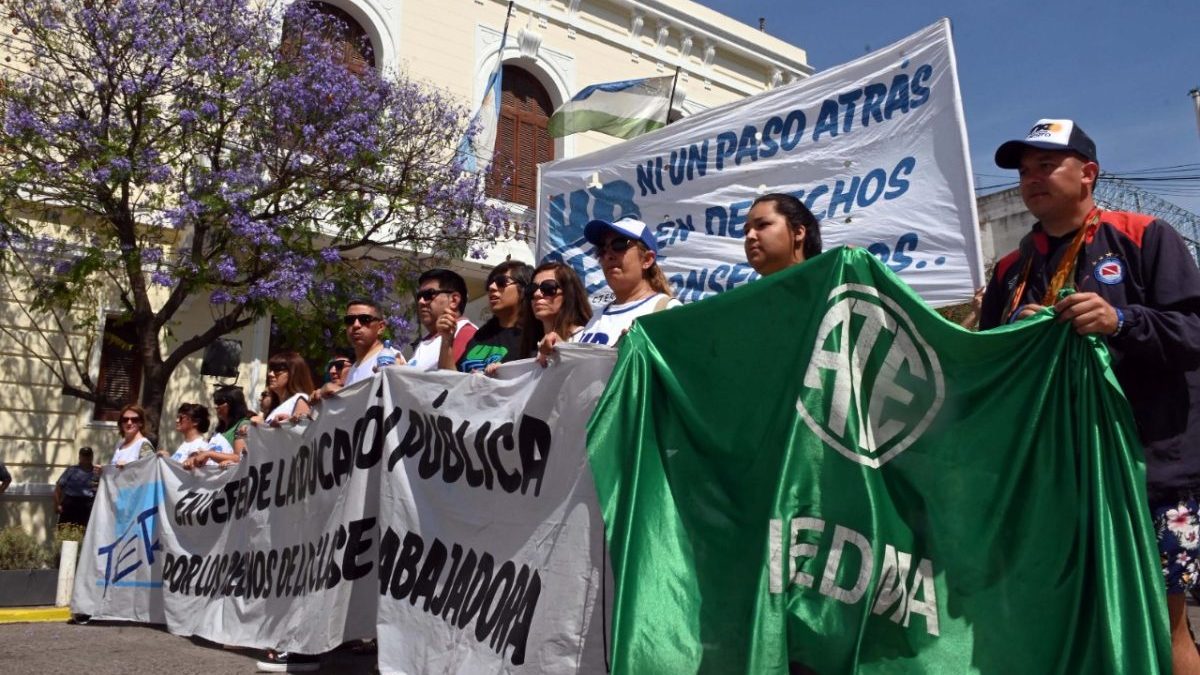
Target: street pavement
pixel 104 648
pixel 113 648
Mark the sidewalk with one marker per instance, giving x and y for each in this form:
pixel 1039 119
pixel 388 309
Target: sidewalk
pixel 34 614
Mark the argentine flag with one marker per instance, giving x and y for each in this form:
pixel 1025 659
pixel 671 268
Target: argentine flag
pixel 475 153
pixel 622 109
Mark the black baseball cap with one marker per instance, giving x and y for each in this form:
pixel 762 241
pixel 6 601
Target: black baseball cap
pixel 1048 135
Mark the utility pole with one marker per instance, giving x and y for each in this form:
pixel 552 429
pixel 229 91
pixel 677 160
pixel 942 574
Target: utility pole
pixel 1196 102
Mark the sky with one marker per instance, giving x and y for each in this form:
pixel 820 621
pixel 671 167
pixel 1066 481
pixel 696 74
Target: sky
pixel 1121 70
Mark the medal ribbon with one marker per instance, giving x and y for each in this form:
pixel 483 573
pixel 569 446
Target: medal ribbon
pixel 1065 274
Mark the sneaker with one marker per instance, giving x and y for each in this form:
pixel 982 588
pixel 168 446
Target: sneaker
pixel 285 662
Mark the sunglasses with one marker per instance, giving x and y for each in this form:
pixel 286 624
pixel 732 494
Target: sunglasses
pixel 502 282
pixel 277 367
pixel 339 364
pixel 617 245
pixel 429 294
pixel 131 420
pixel 548 288
pixel 362 319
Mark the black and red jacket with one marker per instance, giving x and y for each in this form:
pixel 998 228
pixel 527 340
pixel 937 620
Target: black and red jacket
pixel 1140 265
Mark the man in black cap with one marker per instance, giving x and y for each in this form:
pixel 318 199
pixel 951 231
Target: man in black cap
pixel 1134 283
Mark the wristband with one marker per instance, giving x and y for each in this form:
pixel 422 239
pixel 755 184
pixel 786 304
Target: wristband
pixel 1120 321
pixel 1016 312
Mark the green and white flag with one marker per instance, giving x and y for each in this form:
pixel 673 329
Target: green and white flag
pixel 623 109
pixel 816 470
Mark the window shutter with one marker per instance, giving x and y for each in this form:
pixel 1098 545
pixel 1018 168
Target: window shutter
pixel 522 141
pixel 120 379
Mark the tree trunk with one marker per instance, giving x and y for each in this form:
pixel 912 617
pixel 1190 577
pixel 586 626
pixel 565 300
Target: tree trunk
pixel 154 391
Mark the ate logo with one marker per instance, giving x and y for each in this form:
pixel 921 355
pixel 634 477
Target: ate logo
pixel 873 384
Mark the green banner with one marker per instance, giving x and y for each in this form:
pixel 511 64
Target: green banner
pixel 817 470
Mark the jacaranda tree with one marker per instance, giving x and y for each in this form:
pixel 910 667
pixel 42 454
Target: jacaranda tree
pixel 222 151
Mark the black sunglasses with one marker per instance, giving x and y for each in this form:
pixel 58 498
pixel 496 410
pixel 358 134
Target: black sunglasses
pixel 549 288
pixel 277 367
pixel 363 319
pixel 429 294
pixel 339 364
pixel 617 245
pixel 503 282
pixel 135 420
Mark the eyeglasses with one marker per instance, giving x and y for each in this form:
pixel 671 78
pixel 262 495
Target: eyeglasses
pixel 616 245
pixel 339 364
pixel 502 282
pixel 362 319
pixel 548 288
pixel 277 367
pixel 429 294
pixel 131 420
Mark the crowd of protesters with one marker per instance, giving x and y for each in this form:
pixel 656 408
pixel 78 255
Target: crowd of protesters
pixel 1125 277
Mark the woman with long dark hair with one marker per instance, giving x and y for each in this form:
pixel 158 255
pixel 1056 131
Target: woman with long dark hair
pixel 289 381
pixel 558 307
pixel 498 340
pixel 780 232
pixel 233 422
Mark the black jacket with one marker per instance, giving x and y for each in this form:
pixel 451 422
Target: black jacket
pixel 1140 265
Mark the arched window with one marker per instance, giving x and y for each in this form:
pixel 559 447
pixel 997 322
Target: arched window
pixel 352 45
pixel 521 138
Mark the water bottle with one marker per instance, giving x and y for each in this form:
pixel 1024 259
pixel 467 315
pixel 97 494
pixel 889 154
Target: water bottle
pixel 387 356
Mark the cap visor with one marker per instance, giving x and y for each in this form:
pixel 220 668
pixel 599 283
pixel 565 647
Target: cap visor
pixel 1008 156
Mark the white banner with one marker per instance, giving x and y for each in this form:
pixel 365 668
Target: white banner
pixel 453 516
pixel 876 148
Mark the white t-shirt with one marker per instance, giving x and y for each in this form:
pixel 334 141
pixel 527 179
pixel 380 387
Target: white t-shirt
pixel 188 448
pixel 288 406
pixel 364 369
pixel 606 327
pixel 129 453
pixel 429 350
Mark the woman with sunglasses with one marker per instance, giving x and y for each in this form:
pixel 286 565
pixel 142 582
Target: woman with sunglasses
pixel 133 445
pixel 498 340
pixel 289 381
pixel 558 308
pixel 228 443
pixel 628 255
pixel 191 422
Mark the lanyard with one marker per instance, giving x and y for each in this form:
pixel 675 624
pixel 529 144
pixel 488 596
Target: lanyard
pixel 1064 276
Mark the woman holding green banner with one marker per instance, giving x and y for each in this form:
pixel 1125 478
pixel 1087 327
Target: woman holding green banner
pixel 780 232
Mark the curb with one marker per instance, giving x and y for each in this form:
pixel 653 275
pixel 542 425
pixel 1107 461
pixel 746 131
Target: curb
pixel 34 614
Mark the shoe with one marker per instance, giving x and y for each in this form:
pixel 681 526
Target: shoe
pixel 285 662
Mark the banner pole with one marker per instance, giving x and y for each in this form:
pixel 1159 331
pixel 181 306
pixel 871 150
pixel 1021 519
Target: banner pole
pixel 671 98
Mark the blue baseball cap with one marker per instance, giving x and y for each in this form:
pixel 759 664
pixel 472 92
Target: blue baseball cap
pixel 629 227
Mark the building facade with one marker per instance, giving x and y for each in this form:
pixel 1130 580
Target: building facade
pixel 553 49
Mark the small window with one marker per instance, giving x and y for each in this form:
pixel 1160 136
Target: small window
pixel 522 141
pixel 120 380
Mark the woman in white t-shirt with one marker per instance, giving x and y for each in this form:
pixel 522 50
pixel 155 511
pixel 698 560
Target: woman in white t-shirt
pixel 289 380
pixel 628 256
pixel 133 445
pixel 192 422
